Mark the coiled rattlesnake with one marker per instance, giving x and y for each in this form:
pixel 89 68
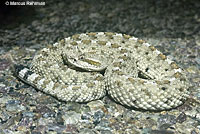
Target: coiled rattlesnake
pixel 85 66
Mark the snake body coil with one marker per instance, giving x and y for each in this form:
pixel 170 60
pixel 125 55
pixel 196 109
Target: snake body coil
pixel 85 66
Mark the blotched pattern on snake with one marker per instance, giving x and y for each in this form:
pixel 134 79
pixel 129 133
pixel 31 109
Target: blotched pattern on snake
pixel 88 66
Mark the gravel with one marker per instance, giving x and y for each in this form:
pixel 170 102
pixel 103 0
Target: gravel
pixel 172 26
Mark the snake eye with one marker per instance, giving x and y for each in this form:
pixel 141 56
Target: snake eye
pixel 163 88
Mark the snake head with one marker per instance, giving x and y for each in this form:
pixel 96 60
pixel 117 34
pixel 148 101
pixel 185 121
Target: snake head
pixel 83 62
